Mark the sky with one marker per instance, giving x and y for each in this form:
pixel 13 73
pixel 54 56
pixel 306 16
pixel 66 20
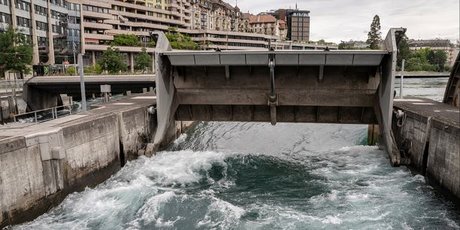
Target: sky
pixel 342 20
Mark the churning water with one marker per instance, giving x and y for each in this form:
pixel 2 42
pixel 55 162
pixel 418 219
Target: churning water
pixel 258 176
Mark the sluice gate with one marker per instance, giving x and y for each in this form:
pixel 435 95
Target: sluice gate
pixel 318 86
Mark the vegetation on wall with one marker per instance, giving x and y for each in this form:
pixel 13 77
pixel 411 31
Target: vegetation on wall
pixel 180 41
pixel 131 40
pixel 93 70
pixel 125 40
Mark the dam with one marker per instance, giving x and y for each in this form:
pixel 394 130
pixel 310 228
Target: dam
pixel 226 172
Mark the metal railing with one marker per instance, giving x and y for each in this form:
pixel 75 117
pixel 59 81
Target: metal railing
pixel 46 114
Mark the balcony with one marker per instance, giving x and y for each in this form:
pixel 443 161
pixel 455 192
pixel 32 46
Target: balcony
pixel 98 36
pixel 97 25
pixel 98 15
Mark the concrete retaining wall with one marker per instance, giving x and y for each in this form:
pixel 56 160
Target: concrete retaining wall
pixel 41 163
pixel 135 128
pixel 443 164
pixel 434 149
pixel 40 169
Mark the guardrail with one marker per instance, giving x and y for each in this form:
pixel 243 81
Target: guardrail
pixel 45 114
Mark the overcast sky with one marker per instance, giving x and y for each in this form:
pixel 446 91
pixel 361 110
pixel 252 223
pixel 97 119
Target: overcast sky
pixel 336 20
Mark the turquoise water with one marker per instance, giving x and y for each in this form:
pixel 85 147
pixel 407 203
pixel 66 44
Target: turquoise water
pixel 258 176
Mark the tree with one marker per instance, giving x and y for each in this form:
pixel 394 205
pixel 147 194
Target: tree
pixel 125 40
pixel 374 36
pixel 418 61
pixel 143 60
pixel 15 52
pixel 112 61
pixel 403 51
pixel 345 45
pixel 438 58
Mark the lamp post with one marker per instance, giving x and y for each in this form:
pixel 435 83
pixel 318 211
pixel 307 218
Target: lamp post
pixel 82 83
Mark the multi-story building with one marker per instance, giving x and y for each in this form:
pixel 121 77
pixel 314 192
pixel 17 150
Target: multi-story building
pixel 45 23
pixel 297 23
pixel 264 24
pixel 59 29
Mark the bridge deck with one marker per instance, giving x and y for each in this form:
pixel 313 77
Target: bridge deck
pixel 298 58
pixel 91 79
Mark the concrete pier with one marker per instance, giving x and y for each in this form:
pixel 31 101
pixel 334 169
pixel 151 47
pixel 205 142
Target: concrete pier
pixel 42 163
pixel 428 132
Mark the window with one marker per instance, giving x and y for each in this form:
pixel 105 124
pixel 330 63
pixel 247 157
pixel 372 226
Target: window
pixel 42 26
pixel 5 18
pixel 22 5
pixel 24 22
pixel 40 10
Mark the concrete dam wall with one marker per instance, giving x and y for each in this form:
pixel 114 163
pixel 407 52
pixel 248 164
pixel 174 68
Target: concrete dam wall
pixel 429 133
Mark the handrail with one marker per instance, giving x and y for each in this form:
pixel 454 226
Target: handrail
pixel 54 113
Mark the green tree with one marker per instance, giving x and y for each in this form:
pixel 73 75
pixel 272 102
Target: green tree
pixel 15 52
pixel 403 51
pixel 418 61
pixel 125 40
pixel 438 58
pixel 143 60
pixel 374 36
pixel 112 61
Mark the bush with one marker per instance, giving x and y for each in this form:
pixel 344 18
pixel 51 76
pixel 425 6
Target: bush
pixel 94 69
pixel 181 41
pixel 126 40
pixel 151 44
pixel 71 71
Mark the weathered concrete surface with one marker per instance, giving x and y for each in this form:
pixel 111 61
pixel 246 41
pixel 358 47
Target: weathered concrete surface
pixel 42 163
pixel 430 134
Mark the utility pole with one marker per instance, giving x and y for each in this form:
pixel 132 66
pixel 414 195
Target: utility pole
pixel 74 49
pixel 82 83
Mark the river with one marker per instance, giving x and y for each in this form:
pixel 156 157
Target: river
pixel 257 176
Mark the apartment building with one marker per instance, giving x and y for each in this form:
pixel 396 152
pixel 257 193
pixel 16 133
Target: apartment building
pixel 46 24
pixel 212 23
pixel 60 29
pixel 264 24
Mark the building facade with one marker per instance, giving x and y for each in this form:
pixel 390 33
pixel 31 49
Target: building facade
pixel 46 24
pixel 298 24
pixel 60 29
